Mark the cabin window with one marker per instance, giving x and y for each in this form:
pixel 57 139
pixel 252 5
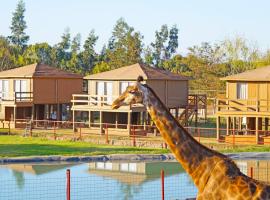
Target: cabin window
pixel 4 88
pixel 85 86
pixel 105 90
pixel 242 91
pixel 124 85
pixel 20 89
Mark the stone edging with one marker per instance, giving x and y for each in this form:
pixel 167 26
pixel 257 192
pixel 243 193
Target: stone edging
pixel 121 157
pixel 114 157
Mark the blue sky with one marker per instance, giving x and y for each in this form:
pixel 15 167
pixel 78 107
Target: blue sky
pixel 198 20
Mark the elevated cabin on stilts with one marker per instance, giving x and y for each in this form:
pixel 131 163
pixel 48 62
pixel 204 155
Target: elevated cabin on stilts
pixel 102 88
pixel 246 107
pixel 37 92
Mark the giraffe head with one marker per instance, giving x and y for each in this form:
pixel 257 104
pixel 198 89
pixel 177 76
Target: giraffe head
pixel 132 95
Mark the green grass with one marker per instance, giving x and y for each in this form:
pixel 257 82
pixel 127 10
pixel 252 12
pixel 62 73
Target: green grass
pixel 16 146
pixel 255 148
pixel 13 146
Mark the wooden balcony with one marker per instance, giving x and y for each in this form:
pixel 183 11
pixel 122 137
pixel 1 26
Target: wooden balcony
pixel 16 98
pixel 86 102
pixel 248 107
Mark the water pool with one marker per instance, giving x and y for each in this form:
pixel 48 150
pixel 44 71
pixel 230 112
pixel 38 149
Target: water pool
pixel 105 180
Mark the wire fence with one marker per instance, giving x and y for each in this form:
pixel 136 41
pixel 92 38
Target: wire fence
pixel 130 135
pixel 105 184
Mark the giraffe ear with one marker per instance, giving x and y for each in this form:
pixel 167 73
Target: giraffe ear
pixel 139 79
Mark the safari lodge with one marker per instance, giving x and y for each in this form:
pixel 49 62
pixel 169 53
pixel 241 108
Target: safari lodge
pixel 37 92
pixel 246 107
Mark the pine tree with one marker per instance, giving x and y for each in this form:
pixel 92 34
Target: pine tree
pixel 125 45
pixel 18 26
pixel 165 45
pixel 89 56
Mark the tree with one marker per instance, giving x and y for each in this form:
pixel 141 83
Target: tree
pixel 18 26
pixel 165 45
pixel 173 42
pixel 125 45
pixel 89 56
pixel 7 57
pixel 60 51
pixel 176 64
pixel 74 64
pixel 239 54
pixel 38 53
pixel 101 67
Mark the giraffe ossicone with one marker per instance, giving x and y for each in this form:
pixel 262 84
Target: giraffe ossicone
pixel 216 176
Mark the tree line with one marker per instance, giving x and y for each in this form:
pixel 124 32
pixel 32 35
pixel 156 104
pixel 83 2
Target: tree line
pixel 205 63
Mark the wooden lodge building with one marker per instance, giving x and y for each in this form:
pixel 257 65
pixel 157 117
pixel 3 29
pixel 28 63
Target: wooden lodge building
pixel 38 92
pixel 102 88
pixel 246 106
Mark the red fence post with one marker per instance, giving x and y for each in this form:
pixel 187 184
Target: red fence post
pixel 134 139
pixel 251 172
pixel 162 185
pixel 106 132
pixel 68 185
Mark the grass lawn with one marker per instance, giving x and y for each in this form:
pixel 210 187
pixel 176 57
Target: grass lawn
pixel 13 146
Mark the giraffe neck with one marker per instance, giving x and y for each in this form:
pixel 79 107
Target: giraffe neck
pixel 186 149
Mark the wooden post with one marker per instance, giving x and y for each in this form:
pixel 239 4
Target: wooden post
pixel 257 130
pixel 116 119
pixel 33 112
pixel 129 123
pixel 233 123
pixel 58 112
pixel 100 122
pixel 266 123
pixel 218 127
pixel 239 123
pixel 89 118
pixel 15 116
pixel 228 126
pixel 73 120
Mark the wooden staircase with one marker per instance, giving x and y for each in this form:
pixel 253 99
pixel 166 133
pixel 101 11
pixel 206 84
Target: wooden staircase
pixel 195 102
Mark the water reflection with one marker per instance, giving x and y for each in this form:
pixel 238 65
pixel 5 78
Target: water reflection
pixel 133 175
pixel 107 180
pixel 19 177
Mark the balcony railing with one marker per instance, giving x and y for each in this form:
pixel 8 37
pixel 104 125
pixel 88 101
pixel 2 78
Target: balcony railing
pixel 16 96
pixel 96 100
pixel 243 105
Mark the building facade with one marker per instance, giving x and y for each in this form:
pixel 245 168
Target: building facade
pixel 102 88
pixel 246 106
pixel 37 92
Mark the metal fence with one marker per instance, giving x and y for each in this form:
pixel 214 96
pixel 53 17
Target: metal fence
pixel 74 187
pixel 133 135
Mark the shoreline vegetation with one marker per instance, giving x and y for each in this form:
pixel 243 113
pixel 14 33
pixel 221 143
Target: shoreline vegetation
pixel 18 146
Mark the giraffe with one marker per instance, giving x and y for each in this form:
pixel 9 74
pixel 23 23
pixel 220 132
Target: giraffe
pixel 215 175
